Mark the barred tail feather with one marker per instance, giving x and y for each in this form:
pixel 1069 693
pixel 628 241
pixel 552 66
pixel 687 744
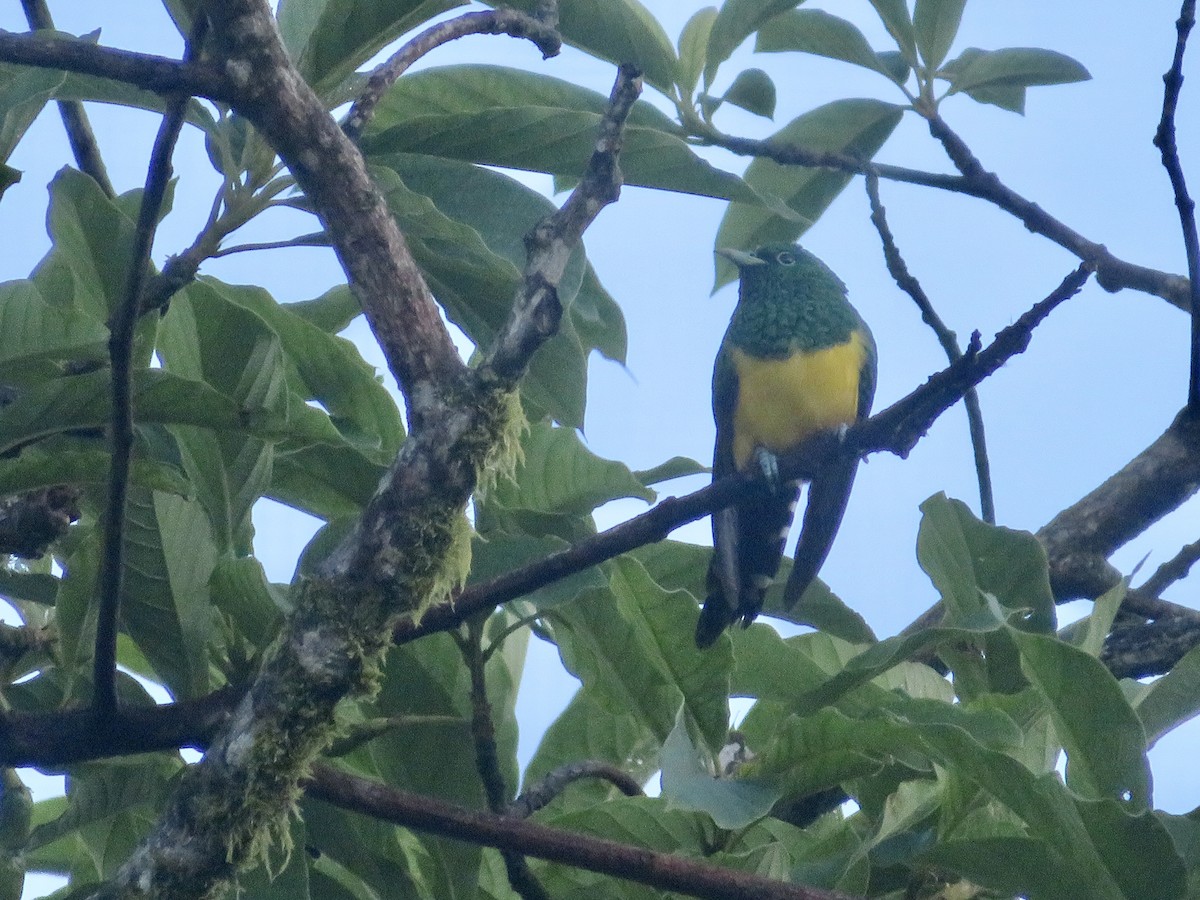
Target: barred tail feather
pixel 748 541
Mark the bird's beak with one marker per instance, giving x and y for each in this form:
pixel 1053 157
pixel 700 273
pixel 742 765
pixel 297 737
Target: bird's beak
pixel 740 258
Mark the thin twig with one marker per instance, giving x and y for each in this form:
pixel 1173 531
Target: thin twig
pixel 1112 273
pixel 74 117
pixel 121 436
pixel 487 759
pixel 666 871
pixel 949 341
pixel 895 430
pixel 1164 140
pixel 493 21
pixel 1173 570
pixel 539 795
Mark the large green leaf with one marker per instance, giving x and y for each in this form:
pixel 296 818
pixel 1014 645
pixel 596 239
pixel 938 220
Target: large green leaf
pixel 558 474
pixel 737 20
pixel 693 48
pixel 329 370
pixel 170 556
pixel 37 336
pixel 857 127
pixel 93 244
pixel 502 211
pixel 935 23
pixel 329 39
pixel 504 117
pixel 624 644
pixel 1015 67
pixel 688 784
pixel 621 31
pixel 206 338
pixel 23 93
pixel 969 560
pixel 897 21
pixel 1173 699
pixel 1103 737
pixel 78 86
pixel 816 31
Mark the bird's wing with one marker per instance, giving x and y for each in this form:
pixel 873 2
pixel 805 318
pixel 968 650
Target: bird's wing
pixel 720 608
pixel 828 495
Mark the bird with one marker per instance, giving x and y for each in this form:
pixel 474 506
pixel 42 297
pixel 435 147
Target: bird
pixel 796 360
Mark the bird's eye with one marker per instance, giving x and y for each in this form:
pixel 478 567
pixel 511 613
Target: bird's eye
pixel 785 258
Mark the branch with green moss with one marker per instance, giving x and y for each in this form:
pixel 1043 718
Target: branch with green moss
pixel 405 550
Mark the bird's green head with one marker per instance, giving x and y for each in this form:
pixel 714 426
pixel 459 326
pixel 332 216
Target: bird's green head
pixel 781 266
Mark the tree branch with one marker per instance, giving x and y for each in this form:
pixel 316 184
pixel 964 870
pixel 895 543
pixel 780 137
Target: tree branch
pixel 74 116
pixel 400 553
pixel 110 583
pixel 895 430
pixel 1112 273
pixel 154 73
pixel 493 21
pixel 539 795
pixel 947 338
pixel 1164 140
pixel 659 870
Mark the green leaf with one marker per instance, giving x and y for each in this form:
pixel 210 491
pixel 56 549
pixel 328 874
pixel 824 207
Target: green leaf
pixel 34 469
pixel 936 24
pixel 736 21
pixel 560 475
pixel 326 369
pixel 166 608
pixel 816 31
pixel 857 127
pixel 1137 849
pixel 23 93
pixel 329 39
pixel 37 337
pixel 675 467
pixel 1013 67
pixel 754 91
pixel 1042 802
pixel 503 117
pixel 688 784
pixel 1016 866
pixel 626 645
pixel 239 588
pixel 620 31
pixel 1173 699
pixel 92 244
pixel 894 14
pixel 969 561
pixel 332 312
pixel 693 45
pixel 94 89
pixel 818 607
pixel 1103 737
pixel 206 338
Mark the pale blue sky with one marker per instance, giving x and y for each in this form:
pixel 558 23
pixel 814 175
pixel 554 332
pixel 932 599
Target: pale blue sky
pixel 1103 377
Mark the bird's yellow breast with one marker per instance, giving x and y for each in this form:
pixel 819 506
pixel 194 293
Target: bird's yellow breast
pixel 782 402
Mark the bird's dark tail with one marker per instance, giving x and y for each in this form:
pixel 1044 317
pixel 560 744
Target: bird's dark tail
pixel 823 510
pixel 748 541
